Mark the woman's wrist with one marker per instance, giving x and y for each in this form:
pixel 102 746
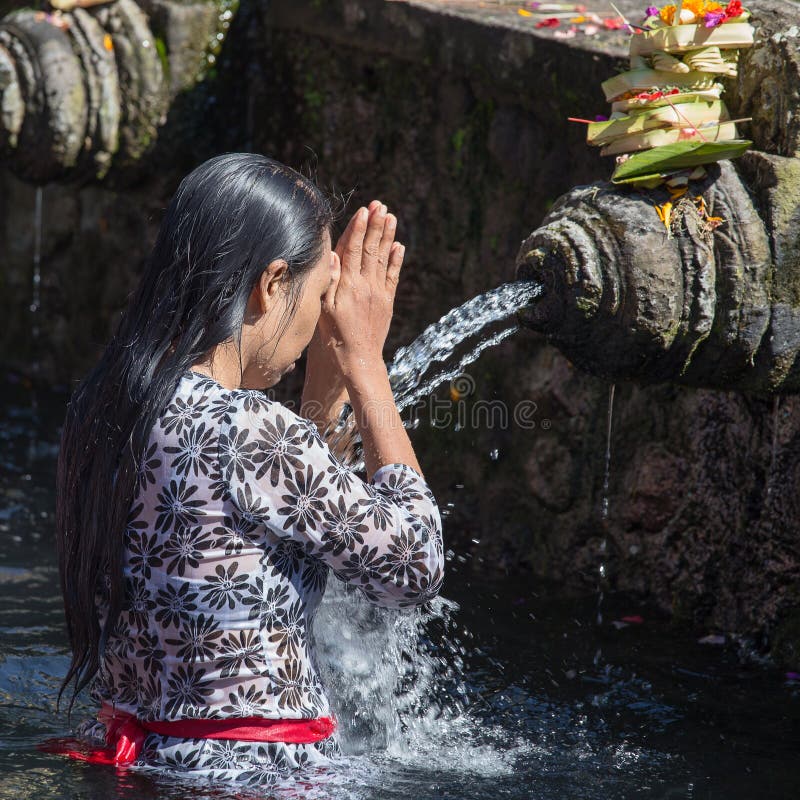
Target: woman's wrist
pixel 324 395
pixel 361 364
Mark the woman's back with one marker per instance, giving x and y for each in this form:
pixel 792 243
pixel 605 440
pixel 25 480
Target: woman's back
pixel 240 508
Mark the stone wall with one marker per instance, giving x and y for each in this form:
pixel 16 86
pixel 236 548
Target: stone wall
pixel 461 128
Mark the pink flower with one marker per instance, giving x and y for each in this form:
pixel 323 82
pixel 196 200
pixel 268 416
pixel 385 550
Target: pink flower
pixel 651 11
pixel 714 18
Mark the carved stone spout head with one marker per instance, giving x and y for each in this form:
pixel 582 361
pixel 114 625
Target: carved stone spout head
pixel 624 297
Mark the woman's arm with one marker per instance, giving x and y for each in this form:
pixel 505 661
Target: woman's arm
pixel 324 389
pixel 383 536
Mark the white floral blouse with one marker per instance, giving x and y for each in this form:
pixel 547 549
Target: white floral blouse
pixel 240 510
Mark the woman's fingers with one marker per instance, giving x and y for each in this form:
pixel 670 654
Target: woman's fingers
pixel 385 246
pixel 329 300
pixel 396 255
pixel 352 243
pixel 372 240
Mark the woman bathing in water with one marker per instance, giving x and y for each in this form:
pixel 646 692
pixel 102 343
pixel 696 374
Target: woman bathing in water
pixel 197 519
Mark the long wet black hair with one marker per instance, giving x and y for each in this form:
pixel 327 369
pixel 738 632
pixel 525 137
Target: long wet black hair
pixel 228 220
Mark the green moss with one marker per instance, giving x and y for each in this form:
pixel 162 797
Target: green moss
pixel 161 49
pixel 314 98
pixel 586 305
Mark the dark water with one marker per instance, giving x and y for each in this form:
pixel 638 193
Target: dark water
pixel 557 706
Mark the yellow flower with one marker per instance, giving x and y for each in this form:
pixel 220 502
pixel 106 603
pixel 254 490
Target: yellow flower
pixel 667 14
pixel 695 6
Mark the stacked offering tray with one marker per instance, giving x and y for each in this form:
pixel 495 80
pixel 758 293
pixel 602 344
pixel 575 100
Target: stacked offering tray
pixel 667 116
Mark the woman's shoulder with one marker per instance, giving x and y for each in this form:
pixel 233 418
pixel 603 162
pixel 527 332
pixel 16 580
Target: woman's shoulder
pixel 242 409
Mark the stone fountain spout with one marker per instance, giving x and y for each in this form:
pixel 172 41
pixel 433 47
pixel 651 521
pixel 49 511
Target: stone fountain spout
pixel 624 299
pixel 85 93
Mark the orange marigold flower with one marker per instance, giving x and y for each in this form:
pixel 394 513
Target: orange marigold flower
pixel 695 6
pixel 667 14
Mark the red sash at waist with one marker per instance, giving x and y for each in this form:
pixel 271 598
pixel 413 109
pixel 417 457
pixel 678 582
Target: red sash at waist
pixel 125 734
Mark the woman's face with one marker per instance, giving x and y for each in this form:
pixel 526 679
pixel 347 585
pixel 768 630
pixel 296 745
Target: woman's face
pixel 273 344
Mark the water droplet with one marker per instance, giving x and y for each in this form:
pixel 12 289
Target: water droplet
pixel 494 454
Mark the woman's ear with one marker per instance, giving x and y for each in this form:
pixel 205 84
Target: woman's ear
pixel 270 284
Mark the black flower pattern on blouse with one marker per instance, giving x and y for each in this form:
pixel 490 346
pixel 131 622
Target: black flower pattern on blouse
pixel 238 651
pixel 266 601
pixel 187 689
pixel 181 413
pixel 150 652
pixel 195 452
pixel 424 589
pixel 222 408
pixel 150 698
pixel 225 587
pixel 173 604
pixel 315 574
pixel 362 566
pixel 378 509
pixel 304 504
pixel 285 558
pixel 406 557
pixel 271 767
pixel 139 602
pixel 253 509
pixel 345 528
pixel 401 488
pixel 144 551
pixel 185 548
pixel 341 476
pixel 225 754
pixel 290 685
pixel 240 513
pixel 130 684
pixel 289 630
pixel 176 507
pixel 236 451
pixel 236 532
pixel 280 450
pixel 218 487
pixel 197 639
pixel 244 702
pixel 145 474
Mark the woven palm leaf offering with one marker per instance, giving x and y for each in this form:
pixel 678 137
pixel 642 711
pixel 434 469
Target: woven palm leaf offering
pixel 668 118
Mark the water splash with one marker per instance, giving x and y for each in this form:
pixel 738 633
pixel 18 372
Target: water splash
pixel 604 509
pixel 35 311
pixel 457 331
pixel 396 678
pixel 439 341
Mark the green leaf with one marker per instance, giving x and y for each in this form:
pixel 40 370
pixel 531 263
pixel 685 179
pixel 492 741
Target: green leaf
pixel 644 181
pixel 671 157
